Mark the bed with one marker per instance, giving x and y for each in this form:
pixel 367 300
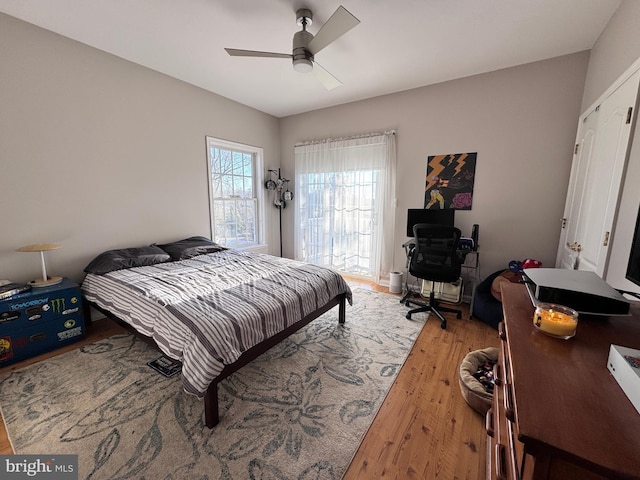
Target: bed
pixel 211 308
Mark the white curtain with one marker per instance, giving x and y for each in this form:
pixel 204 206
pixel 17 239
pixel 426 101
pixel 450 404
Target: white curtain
pixel 345 204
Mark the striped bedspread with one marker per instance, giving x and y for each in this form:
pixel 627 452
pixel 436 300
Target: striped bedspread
pixel 206 311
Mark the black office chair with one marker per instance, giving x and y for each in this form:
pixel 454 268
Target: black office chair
pixel 435 258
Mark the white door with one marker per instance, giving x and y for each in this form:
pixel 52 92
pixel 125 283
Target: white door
pixel 580 184
pixel 603 140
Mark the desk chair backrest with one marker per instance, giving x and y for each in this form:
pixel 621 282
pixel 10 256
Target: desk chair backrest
pixel 435 255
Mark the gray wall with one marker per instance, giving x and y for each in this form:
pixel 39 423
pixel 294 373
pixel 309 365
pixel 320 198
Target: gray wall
pixel 615 51
pixel 521 121
pixel 99 153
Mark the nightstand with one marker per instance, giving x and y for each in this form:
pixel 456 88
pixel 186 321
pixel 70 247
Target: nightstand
pixel 40 320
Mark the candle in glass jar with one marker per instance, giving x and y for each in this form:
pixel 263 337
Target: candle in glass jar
pixel 556 320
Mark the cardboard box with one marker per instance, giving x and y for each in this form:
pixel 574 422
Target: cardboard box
pixel 624 365
pixel 446 292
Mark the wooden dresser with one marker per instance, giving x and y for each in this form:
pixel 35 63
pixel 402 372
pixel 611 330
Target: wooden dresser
pixel 557 412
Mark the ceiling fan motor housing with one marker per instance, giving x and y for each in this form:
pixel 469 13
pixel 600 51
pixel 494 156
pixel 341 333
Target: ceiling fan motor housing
pixel 302 58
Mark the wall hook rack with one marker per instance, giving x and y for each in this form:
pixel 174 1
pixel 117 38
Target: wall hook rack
pixel 281 194
pixel 280 187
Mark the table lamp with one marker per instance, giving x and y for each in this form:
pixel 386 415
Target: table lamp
pixel 45 281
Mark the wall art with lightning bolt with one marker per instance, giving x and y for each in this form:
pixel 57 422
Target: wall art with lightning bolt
pixel 449 182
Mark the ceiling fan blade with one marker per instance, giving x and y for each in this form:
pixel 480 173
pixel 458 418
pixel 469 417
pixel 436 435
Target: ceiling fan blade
pixel 338 24
pixel 253 53
pixel 328 80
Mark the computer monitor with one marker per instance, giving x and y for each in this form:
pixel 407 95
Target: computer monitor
pixel 633 267
pixel 422 215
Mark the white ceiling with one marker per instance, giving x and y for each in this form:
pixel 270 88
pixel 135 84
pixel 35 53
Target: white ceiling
pixel 399 44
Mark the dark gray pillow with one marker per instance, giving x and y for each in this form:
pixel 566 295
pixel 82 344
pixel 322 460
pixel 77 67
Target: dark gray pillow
pixel 126 258
pixel 190 247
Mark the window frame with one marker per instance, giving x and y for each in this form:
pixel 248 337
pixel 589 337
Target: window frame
pixel 258 194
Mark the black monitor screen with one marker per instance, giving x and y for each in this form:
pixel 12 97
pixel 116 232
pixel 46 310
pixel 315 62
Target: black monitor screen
pixel 423 215
pixel 633 267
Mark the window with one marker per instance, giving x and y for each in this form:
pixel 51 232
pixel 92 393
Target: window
pixel 235 206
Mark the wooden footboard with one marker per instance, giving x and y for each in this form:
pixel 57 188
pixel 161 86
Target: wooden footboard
pixel 211 412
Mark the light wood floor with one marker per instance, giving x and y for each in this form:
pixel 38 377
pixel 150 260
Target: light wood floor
pixel 424 429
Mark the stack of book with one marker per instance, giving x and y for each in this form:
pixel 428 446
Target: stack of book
pixel 10 289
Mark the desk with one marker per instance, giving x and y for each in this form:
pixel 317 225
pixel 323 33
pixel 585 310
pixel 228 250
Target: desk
pixel 470 271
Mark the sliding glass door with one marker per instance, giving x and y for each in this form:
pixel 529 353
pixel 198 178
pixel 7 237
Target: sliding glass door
pixel 340 203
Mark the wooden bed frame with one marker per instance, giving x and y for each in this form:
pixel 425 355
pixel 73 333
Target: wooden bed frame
pixel 211 412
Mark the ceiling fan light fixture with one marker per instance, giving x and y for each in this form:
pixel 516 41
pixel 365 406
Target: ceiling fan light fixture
pixel 302 65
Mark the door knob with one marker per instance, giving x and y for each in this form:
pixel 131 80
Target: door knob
pixel 575 246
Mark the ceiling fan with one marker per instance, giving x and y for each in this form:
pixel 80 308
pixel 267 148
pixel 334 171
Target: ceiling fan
pixel 306 45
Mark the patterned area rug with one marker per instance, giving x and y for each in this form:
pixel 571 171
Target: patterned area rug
pixel 297 412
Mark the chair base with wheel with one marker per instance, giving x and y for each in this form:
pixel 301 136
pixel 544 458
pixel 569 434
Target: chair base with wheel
pixel 432 307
